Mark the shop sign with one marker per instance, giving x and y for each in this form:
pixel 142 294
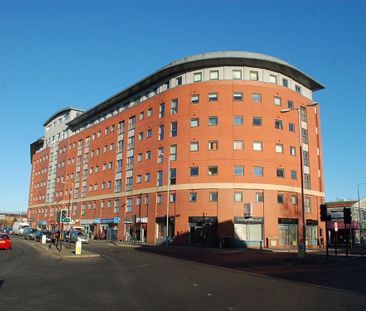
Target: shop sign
pixel 127 221
pixel 141 220
pixel 114 220
pixel 42 223
pixel 202 219
pixel 248 220
pixel 288 221
pixel 87 221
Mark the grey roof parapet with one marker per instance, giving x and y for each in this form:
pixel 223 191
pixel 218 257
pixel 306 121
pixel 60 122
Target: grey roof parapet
pixel 60 112
pixel 211 59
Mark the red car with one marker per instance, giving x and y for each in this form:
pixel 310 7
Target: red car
pixel 5 242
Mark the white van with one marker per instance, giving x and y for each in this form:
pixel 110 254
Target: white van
pixel 18 227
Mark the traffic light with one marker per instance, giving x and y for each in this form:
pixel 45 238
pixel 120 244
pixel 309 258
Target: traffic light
pixel 323 212
pixel 63 216
pixel 347 215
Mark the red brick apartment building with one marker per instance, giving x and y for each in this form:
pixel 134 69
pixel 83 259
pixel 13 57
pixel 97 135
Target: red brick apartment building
pixel 208 133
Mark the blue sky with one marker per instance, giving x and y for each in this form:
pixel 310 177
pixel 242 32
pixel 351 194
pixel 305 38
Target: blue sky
pixel 55 54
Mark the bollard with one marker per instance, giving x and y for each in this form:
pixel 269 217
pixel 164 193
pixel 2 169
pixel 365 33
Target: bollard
pixel 78 248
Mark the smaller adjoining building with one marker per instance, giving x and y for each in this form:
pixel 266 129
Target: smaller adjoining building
pixel 356 230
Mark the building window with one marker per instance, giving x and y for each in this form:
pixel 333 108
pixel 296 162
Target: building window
pixel 141 136
pixel 278 124
pixel 193 171
pixel 213 171
pixel 298 89
pixel 160 155
pixel 162 110
pixel 173 129
pixel 306 158
pixel 291 127
pixel 238 120
pixel 193 196
pixel 277 101
pixel 172 198
pixel 159 198
pixel 148 155
pixel 173 176
pixel 147 177
pixel 238 145
pixel 238 96
pixel 279 148
pixel 213 196
pixel 238 196
pixel 238 170
pixel 237 75
pixel 161 132
pixel 139 179
pixel 292 151
pixel 139 157
pixel 195 99
pixel 149 112
pixel 293 175
pixel 280 198
pixel 173 152
pixel 273 79
pixel 149 133
pixel 142 115
pixel 293 199
pixel 257 145
pixel 256 98
pixel 213 97
pixel 307 183
pixel 195 122
pixel 253 75
pixel 197 77
pixel 178 81
pixel 194 146
pixel 174 107
pixel 257 121
pixel 258 171
pixel 213 145
pixel 280 173
pixel 290 104
pixel 307 205
pixel 285 82
pixel 159 178
pixel 214 75
pixel 259 197
pixel 132 123
pixel 129 205
pixel 212 121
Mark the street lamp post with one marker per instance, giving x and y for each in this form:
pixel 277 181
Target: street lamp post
pixel 359 205
pixel 167 199
pixel 301 250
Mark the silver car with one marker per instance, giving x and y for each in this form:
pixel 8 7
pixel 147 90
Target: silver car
pixel 79 236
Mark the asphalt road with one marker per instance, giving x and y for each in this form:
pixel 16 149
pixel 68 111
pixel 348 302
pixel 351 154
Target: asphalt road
pixel 32 278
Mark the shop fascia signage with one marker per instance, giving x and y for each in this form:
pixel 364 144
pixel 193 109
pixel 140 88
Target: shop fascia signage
pixel 114 220
pixel 248 220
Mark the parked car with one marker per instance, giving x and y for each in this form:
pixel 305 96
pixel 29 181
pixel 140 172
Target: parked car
pixel 78 236
pixel 5 242
pixel 32 234
pixel 28 233
pixel 38 236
